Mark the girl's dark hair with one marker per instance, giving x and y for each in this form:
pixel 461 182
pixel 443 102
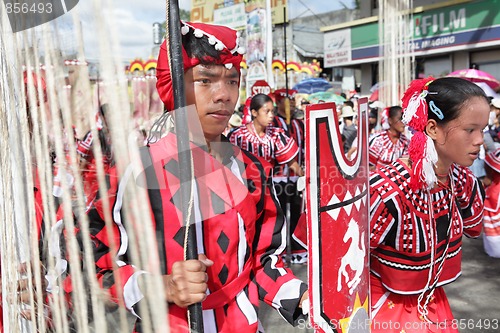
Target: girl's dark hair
pixel 449 94
pixel 394 110
pixel 258 101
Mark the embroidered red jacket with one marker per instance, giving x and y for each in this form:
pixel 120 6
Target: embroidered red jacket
pixel 239 226
pixel 413 231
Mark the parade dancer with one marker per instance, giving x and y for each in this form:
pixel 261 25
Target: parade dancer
pixel 238 221
pixel 261 139
pixel 391 144
pixel 421 207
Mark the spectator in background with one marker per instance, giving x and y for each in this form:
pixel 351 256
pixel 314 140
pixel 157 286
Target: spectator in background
pixel 491 137
pixel 372 121
pixel 350 129
pixel 391 144
pixel 234 122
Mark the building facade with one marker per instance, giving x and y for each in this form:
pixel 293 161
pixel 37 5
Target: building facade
pixel 446 36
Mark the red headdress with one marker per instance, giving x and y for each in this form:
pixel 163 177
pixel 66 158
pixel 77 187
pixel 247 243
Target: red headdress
pixel 279 94
pixel 421 150
pixel 224 39
pixel 247 114
pixel 492 159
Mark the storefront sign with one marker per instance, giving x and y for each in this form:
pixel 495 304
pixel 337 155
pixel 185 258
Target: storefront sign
pixel 337 47
pixel 434 31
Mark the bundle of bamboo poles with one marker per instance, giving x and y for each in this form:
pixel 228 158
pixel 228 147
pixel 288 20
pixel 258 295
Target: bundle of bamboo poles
pixel 42 123
pixel 396 64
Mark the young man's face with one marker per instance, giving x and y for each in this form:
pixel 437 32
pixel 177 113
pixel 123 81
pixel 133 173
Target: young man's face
pixel 214 90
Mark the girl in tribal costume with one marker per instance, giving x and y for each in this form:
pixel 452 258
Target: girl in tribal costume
pixel 391 144
pixel 262 140
pixel 273 144
pixel 422 206
pixel 239 225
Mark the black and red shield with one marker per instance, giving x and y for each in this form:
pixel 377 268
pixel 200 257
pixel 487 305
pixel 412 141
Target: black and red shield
pixel 338 222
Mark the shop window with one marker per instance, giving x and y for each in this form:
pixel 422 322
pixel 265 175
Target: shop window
pixel 492 68
pixel 436 67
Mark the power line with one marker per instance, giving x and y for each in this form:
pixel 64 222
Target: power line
pixel 309 9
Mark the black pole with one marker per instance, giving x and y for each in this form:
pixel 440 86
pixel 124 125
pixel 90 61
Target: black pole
pixel 284 49
pixel 174 50
pixel 287 168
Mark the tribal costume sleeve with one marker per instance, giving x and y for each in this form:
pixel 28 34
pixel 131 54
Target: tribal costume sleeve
pixel 470 196
pixel 381 225
pixel 286 148
pixel 295 130
pixel 113 246
pixel 276 284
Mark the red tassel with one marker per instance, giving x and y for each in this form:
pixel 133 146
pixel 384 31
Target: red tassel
pixel 419 120
pixel 416 150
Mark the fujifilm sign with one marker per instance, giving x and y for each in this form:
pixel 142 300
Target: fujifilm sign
pixel 440 23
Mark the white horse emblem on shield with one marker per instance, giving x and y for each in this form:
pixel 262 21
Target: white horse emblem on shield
pixel 354 257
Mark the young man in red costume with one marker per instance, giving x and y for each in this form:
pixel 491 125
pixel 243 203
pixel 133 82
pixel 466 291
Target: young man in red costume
pixel 240 232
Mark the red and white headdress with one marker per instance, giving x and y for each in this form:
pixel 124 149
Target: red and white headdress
pixel 279 94
pixel 493 160
pixel 224 39
pixel 421 149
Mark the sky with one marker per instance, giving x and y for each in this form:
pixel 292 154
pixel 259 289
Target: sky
pixel 133 20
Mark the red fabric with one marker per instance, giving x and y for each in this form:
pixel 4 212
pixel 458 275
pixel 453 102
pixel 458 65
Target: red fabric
pixel 247 114
pixel 294 130
pixel 279 94
pixel 383 151
pixel 228 55
pixel 493 159
pixel 300 231
pixel 399 313
pixel 491 221
pixel 401 220
pixel 416 88
pixel 275 146
pixel 35 78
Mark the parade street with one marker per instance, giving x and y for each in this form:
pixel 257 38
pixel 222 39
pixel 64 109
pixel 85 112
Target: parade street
pixel 474 297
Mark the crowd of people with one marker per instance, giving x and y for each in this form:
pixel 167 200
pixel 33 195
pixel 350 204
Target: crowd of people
pixel 423 197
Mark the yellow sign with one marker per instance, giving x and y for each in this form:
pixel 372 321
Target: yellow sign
pixel 203 10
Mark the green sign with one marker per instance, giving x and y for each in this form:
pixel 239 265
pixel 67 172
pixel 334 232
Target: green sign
pixel 437 22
